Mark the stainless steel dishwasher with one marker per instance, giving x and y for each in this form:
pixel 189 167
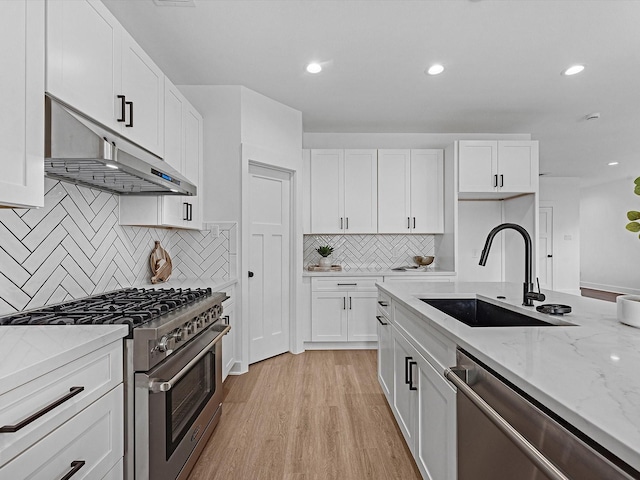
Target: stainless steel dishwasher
pixel 502 435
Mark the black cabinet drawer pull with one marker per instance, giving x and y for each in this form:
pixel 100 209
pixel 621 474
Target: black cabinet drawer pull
pixel 411 364
pixel 380 320
pixel 383 304
pixel 122 108
pixel 406 369
pixel 75 466
pixel 73 391
pixel 130 124
pixel 347 284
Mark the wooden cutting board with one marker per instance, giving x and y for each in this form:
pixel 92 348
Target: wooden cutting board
pixel 161 265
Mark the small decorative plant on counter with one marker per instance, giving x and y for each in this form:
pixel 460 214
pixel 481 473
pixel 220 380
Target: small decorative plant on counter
pixel 633 215
pixel 325 251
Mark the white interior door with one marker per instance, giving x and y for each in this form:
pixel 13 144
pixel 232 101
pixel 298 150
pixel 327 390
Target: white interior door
pixel 545 248
pixel 269 253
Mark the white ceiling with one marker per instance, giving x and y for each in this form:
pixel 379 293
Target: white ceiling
pixel 503 62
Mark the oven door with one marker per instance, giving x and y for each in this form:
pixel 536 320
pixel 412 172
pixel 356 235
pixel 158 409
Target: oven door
pixel 177 406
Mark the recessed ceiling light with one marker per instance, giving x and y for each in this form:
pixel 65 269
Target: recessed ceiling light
pixel 612 163
pixel 435 69
pixel 314 67
pixel 573 69
pixel 175 3
pixel 111 165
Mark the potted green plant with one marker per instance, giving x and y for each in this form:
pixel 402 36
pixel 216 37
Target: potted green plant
pixel 634 215
pixel 325 251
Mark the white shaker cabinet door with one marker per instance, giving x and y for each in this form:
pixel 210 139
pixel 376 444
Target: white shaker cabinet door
pixel 193 160
pixel 329 317
pixel 83 58
pixel 518 166
pixel 385 356
pixel 22 116
pixel 427 191
pixel 327 191
pixel 143 87
pixel 403 405
pixel 477 166
pixel 361 313
pixel 394 197
pixel 360 191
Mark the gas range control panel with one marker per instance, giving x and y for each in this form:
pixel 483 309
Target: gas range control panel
pixel 170 342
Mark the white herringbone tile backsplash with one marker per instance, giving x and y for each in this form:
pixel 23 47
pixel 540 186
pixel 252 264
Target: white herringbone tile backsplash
pixel 369 251
pixel 74 247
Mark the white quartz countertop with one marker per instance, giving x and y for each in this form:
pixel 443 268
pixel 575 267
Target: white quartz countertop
pixel 588 374
pixel 380 272
pixel 26 352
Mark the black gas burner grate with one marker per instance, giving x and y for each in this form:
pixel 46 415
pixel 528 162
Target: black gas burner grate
pixel 129 306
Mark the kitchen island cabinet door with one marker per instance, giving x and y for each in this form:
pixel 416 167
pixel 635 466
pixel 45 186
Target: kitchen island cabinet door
pixel 404 400
pixel 435 419
pixel 22 116
pixel 385 356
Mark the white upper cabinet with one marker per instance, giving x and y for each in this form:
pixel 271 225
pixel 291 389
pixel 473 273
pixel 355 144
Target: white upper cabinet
pixel 497 166
pixel 343 186
pixel 183 147
pixel 411 191
pixel 95 66
pixel 22 116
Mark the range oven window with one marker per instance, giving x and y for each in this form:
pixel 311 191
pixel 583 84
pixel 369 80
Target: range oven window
pixel 187 399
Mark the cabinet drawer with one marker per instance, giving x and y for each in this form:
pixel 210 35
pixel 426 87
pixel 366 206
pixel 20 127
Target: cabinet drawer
pixel 384 304
pixel 97 373
pixel 354 284
pixel 94 436
pixel 434 346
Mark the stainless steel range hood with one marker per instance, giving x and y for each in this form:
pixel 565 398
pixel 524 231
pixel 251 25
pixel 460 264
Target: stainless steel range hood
pixel 81 151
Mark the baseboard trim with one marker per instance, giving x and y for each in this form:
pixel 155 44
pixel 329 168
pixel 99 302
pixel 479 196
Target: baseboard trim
pixel 609 288
pixel 341 345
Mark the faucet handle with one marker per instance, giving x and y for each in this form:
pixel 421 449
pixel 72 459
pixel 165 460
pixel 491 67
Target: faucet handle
pixel 537 296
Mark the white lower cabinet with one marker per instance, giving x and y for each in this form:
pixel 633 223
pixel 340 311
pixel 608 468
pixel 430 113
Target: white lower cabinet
pixel 343 310
pixel 228 341
pixel 385 355
pixel 424 405
pixel 90 444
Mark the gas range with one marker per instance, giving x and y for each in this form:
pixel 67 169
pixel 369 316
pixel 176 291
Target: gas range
pixel 172 369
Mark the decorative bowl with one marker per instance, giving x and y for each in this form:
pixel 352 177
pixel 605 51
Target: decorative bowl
pixel 629 310
pixel 423 261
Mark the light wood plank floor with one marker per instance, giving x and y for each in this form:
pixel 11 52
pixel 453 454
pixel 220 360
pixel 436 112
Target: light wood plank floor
pixel 314 416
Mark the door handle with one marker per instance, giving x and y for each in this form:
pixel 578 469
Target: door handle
pixel 130 124
pixel 122 108
pixel 549 256
pixel 250 274
pixel 411 364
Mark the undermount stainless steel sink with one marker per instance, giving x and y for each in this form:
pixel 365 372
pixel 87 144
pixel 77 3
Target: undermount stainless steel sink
pixel 478 313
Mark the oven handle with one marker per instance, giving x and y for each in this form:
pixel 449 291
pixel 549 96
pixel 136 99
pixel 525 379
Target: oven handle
pixel 157 386
pixel 542 462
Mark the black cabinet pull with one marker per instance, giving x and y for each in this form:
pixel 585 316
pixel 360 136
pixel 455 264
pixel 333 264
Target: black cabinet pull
pixel 73 391
pixel 406 369
pixel 383 304
pixel 414 222
pixel 408 222
pixel 347 221
pixel 341 224
pixel 502 180
pixel 185 215
pixel 549 256
pixel 344 303
pixel 349 303
pixel 347 284
pixel 190 210
pixel 130 124
pixel 75 466
pixel 411 364
pixel 380 320
pixel 226 320
pixel 495 181
pixel 122 108
pixel 250 274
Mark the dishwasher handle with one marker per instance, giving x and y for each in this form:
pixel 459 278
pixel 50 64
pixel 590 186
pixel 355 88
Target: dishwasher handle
pixel 542 462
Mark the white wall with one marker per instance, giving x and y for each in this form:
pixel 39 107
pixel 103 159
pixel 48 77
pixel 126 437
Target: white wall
pixel 610 254
pixel 475 221
pixel 522 211
pixel 562 194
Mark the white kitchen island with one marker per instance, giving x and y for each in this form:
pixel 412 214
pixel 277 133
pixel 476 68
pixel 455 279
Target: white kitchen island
pixel 587 374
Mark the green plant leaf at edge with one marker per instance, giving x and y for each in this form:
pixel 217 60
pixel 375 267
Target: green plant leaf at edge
pixel 633 215
pixel 633 227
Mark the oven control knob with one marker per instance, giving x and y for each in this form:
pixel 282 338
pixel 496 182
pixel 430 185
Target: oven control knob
pixel 190 328
pixel 178 335
pixel 163 344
